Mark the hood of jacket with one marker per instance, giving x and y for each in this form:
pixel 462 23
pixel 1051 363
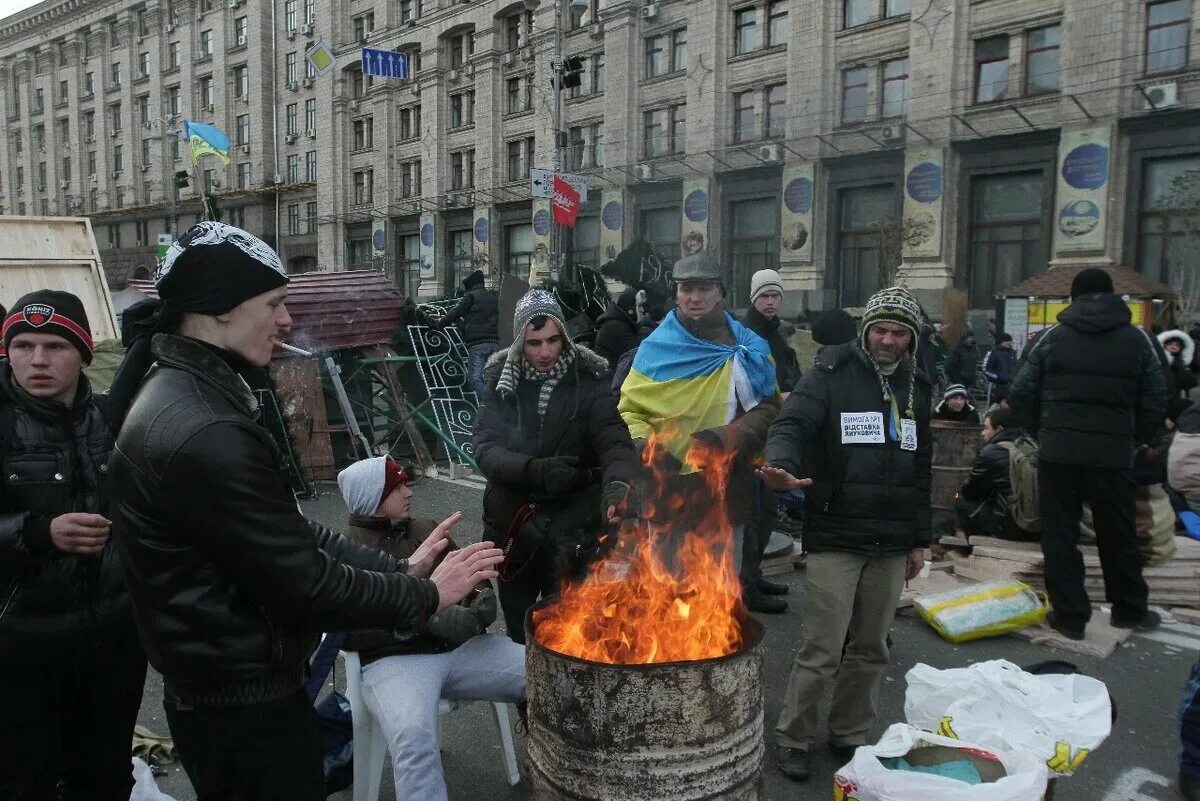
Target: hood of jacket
pixel 618 314
pixel 585 358
pixel 1006 434
pixel 962 340
pixel 1096 313
pixel 941 408
pixel 1189 345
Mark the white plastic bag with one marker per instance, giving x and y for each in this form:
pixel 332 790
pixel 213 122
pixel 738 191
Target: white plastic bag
pixel 144 787
pixel 865 778
pixel 1059 719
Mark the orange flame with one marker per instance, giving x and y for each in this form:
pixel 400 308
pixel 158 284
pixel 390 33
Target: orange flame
pixel 659 596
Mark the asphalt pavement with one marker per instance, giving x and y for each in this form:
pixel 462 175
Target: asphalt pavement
pixel 1137 762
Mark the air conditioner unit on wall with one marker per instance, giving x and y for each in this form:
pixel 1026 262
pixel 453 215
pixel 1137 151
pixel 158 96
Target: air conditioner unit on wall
pixel 892 134
pixel 63 184
pixel 650 11
pixel 306 29
pixel 770 152
pixel 1162 95
pixel 290 34
pixel 92 178
pixel 645 172
pixel 596 30
pixel 307 83
pixel 290 138
pixel 454 76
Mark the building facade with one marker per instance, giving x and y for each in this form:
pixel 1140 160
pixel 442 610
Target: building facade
pixel 847 143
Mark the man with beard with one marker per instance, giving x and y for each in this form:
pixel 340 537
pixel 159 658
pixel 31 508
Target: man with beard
pixel 856 428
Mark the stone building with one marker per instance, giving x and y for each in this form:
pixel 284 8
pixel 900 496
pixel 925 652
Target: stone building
pixel 956 144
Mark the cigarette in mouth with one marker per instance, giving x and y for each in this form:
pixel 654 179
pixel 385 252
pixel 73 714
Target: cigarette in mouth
pixel 292 348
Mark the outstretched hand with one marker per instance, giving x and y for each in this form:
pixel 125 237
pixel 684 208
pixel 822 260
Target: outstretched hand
pixel 461 570
pixel 780 480
pixel 420 564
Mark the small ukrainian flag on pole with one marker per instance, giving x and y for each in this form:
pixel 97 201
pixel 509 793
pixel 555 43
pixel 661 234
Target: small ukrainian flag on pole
pixel 204 139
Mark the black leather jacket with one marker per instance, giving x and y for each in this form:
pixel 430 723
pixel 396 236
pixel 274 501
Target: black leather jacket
pixel 54 463
pixel 231 586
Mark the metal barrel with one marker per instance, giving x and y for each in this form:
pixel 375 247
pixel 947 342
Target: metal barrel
pixel 955 446
pixel 679 731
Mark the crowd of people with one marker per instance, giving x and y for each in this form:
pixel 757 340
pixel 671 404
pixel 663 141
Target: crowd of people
pixel 156 524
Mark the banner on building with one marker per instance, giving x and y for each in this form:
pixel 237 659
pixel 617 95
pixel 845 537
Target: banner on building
pixel 795 229
pixel 379 240
pixel 694 231
pixel 481 239
pixel 924 189
pixel 540 269
pixel 428 251
pixel 612 224
pixel 1081 199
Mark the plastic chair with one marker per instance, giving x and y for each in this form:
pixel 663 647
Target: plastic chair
pixel 370 748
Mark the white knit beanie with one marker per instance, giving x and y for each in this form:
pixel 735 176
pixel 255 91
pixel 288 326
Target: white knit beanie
pixel 765 281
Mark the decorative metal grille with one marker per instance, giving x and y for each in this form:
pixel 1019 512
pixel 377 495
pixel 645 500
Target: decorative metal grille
pixel 442 362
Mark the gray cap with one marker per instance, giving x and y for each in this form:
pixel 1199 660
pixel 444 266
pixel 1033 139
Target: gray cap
pixel 700 267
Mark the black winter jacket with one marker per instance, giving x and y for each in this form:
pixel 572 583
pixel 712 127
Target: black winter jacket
pixel 989 479
pixel 581 421
pixel 1092 387
pixel 54 463
pixel 231 586
pixel 787 364
pixel 960 366
pixel 479 311
pixel 1000 365
pixel 616 334
pixel 865 498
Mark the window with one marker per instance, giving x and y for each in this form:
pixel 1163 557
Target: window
pixel 39 100
pixel 237 216
pixel 596 131
pixel 745 30
pixel 39 137
pixel 1041 60
pixel 1167 219
pixel 210 180
pixel 114 33
pixel 64 133
pixel 661 228
pixel 293 168
pixel 462 169
pixel 310 116
pixel 66 168
pixel 516 28
pixel 143 109
pixel 597 78
pixel 62 93
pixel 143 65
pixel 775 125
pixel 243 175
pixel 114 236
pixel 114 75
pixel 364 187
pixel 358 84
pixel 1167 36
pixel 41 175
pixel 364 133
pixel 854 94
pixel 293 215
pixel 777 23
pixel 310 11
pixel 1006 233
pixel 894 8
pixel 20 177
pixel 410 179
pixel 61 49
pixel 173 105
pixel 289 15
pixel 991 69
pixel 585 242
pixel 363 25
pixel 894 98
pixel 289 67
pixel 518 95
pixel 856 12
pixel 462 109
pixel 409 10
pixel 115 115
pixel 173 55
pixel 239 32
pixel 242 127
pixel 861 211
pixel 462 47
pixel 754 244
pixel 176 148
pixel 291 117
pixel 117 160
pixel 141 232
pixel 205 44
pixel 145 151
pixel 89 128
pixel 310 165
pixel 664 131
pixel 410 123
pixel 310 216
pixel 241 82
pixel 514 160
pixel 91 162
pixel 576 148
pixel 743 117
pixel 89 84
pixel 205 86
pixel 656 57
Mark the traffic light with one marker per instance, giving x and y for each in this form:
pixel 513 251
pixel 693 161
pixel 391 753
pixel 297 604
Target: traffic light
pixel 572 72
pixel 181 179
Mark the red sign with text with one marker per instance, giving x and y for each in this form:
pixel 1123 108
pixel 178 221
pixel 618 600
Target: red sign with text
pixel 565 203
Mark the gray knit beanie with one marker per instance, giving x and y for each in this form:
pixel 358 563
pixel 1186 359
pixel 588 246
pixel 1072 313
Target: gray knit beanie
pixel 536 303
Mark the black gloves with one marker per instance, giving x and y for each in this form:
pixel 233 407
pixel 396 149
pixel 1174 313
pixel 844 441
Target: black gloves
pixel 557 474
pixel 622 496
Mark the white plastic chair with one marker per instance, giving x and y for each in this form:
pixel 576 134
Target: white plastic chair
pixel 370 748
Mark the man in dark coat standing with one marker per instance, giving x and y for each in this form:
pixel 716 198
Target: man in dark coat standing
pixel 617 328
pixel 856 431
pixel 1000 365
pixel 1091 390
pixel 479 313
pixel 71 667
pixel 964 357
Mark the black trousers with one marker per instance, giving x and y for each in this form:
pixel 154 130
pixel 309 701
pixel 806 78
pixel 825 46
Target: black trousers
pixel 68 717
pixel 758 535
pixel 536 578
pixel 257 752
pixel 1063 489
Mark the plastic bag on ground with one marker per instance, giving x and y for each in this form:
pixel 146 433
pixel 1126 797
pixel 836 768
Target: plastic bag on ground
pixel 144 787
pixel 1058 719
pixel 981 610
pixel 1007 775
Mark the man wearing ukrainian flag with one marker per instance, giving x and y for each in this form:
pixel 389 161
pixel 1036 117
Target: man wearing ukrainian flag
pixel 701 376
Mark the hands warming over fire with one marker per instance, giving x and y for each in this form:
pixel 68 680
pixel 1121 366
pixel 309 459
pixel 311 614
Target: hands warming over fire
pixel 619 501
pixel 457 574
pixel 780 480
pixel 421 563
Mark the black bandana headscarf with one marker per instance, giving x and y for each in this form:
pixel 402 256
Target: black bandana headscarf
pixel 211 269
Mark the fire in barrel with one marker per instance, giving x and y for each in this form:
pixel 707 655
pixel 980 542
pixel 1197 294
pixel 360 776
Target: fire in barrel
pixel 644 679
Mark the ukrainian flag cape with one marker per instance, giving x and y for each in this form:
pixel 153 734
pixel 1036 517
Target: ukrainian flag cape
pixel 680 383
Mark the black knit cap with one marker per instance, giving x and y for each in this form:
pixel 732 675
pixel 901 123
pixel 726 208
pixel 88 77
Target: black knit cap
pixel 834 327
pixel 215 267
pixel 50 311
pixel 1091 281
pixel 473 280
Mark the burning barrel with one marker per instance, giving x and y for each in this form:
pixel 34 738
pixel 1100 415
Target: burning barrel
pixel 673 731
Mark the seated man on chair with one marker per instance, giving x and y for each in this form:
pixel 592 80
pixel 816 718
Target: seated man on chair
pixel 406 674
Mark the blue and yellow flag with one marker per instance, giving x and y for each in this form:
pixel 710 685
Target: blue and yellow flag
pixel 206 140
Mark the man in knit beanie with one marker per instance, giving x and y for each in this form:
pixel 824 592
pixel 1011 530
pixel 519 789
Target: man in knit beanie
pixel 855 431
pixel 71 666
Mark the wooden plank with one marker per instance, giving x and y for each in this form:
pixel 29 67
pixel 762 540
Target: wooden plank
pixel 1100 639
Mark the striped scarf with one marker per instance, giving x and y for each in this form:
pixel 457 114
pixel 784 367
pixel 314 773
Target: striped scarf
pixel 517 368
